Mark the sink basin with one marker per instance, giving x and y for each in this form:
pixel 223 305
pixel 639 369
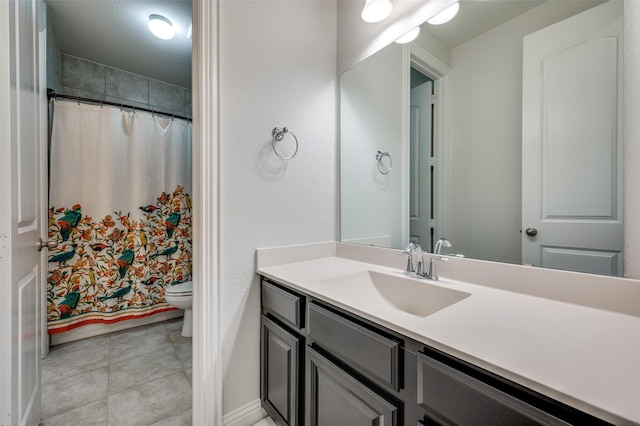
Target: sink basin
pixel 413 296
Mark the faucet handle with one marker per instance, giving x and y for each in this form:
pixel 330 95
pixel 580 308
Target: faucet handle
pixel 413 248
pixel 409 253
pixel 431 272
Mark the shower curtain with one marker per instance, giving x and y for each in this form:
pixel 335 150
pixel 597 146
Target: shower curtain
pixel 120 211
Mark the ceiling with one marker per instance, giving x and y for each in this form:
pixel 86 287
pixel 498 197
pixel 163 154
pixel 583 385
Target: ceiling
pixel 476 17
pixel 114 33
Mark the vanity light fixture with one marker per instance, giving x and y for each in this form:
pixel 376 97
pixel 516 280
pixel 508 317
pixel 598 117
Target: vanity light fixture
pixel 161 27
pixel 409 37
pixel 376 10
pixel 446 15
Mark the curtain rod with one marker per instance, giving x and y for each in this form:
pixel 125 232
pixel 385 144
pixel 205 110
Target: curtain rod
pixel 52 94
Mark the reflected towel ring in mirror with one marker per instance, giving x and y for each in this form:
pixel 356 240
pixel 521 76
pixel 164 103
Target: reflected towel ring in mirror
pixel 278 134
pixel 382 167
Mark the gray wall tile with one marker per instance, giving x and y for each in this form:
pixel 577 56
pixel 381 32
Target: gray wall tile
pixel 127 102
pixel 189 100
pixel 166 96
pixel 125 85
pixel 83 74
pixel 72 91
pixel 90 80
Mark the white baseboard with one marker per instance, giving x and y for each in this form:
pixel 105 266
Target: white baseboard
pixel 247 415
pixel 91 330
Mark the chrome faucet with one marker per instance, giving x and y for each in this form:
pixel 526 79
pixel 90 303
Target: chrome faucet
pixel 442 242
pixel 419 271
pixel 409 251
pixel 431 272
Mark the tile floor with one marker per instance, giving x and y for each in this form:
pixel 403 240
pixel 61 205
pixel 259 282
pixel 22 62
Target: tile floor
pixel 140 376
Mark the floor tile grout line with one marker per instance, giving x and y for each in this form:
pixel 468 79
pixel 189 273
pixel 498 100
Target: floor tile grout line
pixel 73 408
pixel 109 337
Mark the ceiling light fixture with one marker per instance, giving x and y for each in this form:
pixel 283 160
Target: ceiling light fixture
pixel 409 37
pixel 161 27
pixel 446 15
pixel 376 10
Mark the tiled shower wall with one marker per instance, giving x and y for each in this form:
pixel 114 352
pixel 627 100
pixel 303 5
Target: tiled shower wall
pixel 92 80
pixel 68 75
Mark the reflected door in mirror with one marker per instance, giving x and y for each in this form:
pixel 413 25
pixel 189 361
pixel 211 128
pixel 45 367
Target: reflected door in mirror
pixel 572 143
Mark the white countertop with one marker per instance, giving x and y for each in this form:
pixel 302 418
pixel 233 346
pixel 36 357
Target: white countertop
pixel 585 357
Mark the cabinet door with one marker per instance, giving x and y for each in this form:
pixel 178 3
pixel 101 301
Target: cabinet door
pixel 336 398
pixel 281 373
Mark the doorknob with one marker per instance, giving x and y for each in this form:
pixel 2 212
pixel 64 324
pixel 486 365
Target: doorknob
pixel 532 232
pixel 48 244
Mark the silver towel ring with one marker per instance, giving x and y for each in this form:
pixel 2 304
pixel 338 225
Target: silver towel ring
pixel 278 134
pixel 381 166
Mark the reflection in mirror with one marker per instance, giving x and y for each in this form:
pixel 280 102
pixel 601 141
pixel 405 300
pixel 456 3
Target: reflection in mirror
pixel 506 119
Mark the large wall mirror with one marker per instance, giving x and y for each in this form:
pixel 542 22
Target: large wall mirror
pixel 499 130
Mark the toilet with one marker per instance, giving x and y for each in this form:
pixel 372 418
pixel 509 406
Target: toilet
pixel 181 296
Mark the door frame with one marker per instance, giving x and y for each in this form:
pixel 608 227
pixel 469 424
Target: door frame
pixel 435 69
pixel 5 218
pixel 207 359
pixel 207 351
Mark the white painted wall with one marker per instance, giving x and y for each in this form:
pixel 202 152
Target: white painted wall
pixel 371 106
pixel 485 171
pixel 277 68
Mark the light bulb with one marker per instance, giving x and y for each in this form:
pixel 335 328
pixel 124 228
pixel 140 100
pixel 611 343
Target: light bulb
pixel 161 27
pixel 446 15
pixel 376 10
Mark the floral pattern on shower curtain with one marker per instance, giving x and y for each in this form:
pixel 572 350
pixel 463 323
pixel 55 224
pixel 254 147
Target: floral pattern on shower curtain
pixel 115 268
pixel 119 247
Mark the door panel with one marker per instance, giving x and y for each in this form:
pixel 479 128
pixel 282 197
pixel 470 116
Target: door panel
pixel 28 367
pixel 336 398
pixel 24 176
pixel 281 353
pixel 589 261
pixel 572 144
pixel 580 147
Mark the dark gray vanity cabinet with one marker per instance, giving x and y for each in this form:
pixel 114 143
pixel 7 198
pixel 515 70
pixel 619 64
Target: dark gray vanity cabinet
pixel 324 366
pixel 282 354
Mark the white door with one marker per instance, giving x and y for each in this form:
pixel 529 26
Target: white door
pixel 420 135
pixel 572 144
pixel 22 210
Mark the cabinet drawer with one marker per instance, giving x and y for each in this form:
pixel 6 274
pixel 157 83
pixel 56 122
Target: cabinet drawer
pixel 456 398
pixel 368 352
pixel 283 304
